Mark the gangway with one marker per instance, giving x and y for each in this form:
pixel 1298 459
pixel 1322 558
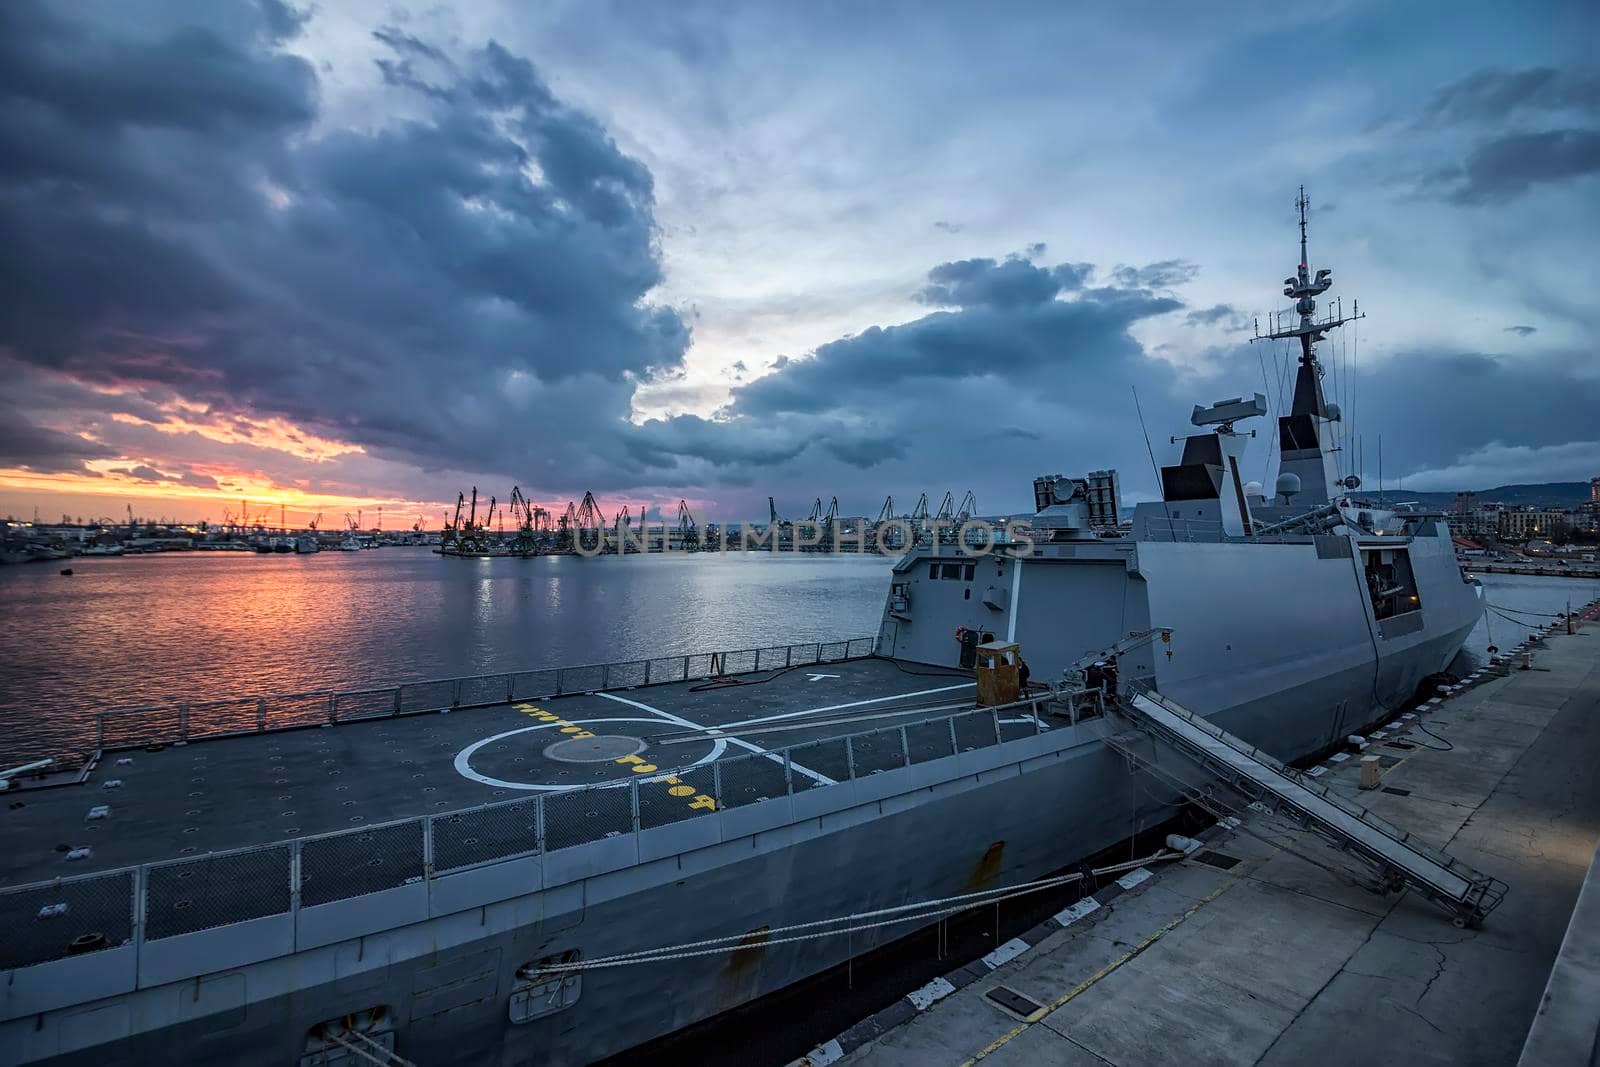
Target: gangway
pixel 1401 859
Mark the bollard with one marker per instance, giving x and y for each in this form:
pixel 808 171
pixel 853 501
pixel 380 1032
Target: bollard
pixel 1371 772
pixel 1527 660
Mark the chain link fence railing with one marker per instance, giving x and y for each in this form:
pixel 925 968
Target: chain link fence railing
pixel 357 862
pixel 926 741
pixel 132 727
pixel 52 920
pixel 466 838
pixel 752 779
pixel 217 890
pixel 1023 722
pixel 69 917
pixel 881 750
pixel 675 797
pixel 829 758
pixel 586 815
pixel 975 730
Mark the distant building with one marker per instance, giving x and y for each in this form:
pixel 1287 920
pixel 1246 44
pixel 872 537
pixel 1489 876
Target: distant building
pixel 1524 523
pixel 1594 490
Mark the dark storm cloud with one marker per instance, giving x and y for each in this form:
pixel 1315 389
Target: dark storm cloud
pixel 1504 168
pixel 1527 136
pixel 1167 274
pixel 1490 95
pixel 1014 282
pixel 1224 313
pixel 1522 331
pixel 41 449
pixel 465 287
pixel 1021 361
pixel 146 473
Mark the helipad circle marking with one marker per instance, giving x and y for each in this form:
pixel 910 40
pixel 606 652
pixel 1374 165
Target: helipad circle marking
pixel 602 749
pixel 463 760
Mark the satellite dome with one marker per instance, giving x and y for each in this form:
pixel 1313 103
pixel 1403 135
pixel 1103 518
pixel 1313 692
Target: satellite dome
pixel 1288 485
pixel 1252 489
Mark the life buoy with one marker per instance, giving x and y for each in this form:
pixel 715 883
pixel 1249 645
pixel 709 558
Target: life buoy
pixel 961 634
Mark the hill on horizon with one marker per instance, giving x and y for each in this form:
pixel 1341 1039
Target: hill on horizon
pixel 1537 494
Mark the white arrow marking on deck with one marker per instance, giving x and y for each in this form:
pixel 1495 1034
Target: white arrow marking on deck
pixel 712 732
pixel 819 677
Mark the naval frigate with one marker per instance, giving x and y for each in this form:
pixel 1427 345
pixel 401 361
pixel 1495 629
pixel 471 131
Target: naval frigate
pixel 553 866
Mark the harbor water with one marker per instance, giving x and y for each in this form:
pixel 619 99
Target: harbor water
pixel 201 626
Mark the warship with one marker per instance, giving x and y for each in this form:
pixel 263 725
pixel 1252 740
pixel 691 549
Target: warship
pixel 553 866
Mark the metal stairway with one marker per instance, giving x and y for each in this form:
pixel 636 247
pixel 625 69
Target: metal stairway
pixel 1403 861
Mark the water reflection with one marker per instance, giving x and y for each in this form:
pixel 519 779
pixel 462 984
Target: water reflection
pixel 138 630
pixel 143 629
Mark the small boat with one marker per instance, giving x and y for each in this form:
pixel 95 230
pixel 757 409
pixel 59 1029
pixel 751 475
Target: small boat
pixel 350 544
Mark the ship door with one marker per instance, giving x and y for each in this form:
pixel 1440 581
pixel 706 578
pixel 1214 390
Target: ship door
pixel 969 648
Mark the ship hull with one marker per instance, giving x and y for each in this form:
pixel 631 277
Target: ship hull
pixel 451 1005
pixel 1292 679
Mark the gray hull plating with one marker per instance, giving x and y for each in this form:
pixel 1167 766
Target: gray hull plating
pixel 1009 823
pixel 1292 681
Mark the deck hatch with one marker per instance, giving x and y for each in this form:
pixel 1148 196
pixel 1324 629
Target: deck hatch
pixel 1013 1001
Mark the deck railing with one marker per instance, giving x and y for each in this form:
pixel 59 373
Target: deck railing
pixel 166 723
pixel 70 916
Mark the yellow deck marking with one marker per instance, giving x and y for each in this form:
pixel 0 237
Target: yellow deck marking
pixel 636 764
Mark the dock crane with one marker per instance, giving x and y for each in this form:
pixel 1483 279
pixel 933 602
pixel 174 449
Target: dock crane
pixel 829 528
pixel 688 532
pixel 522 511
pixel 887 514
pixel 967 508
pixel 451 534
pixel 588 515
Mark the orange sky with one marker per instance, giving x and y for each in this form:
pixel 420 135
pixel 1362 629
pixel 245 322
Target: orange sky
pixel 108 487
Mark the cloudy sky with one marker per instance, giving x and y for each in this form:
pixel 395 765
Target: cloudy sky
pixel 357 254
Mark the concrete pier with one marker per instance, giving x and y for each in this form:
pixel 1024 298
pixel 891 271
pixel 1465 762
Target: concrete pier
pixel 1268 947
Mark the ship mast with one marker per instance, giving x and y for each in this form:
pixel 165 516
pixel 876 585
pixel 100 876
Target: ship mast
pixel 1303 438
